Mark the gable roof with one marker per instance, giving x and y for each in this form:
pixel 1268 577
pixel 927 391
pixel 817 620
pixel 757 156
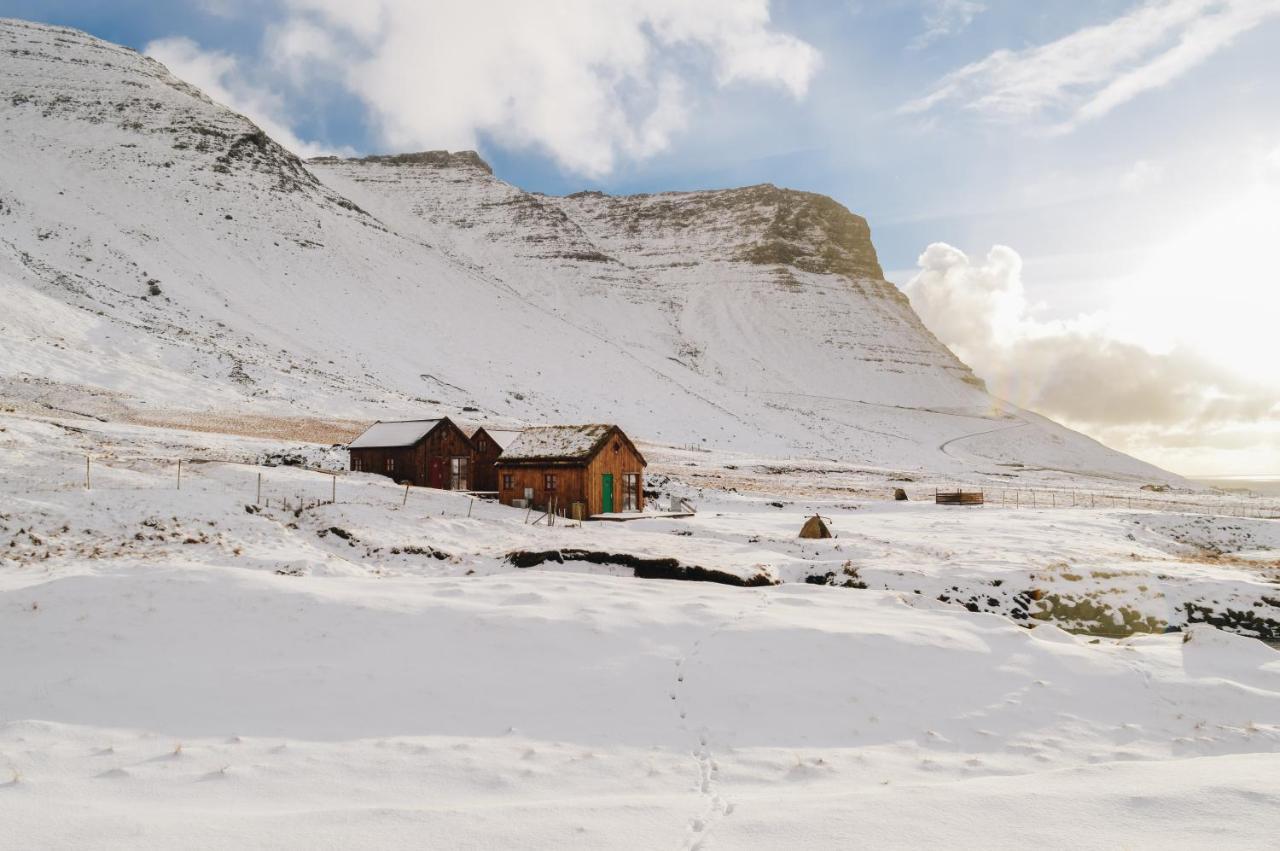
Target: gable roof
pixel 387 435
pixel 503 437
pixel 561 443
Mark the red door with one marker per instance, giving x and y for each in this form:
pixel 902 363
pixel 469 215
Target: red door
pixel 435 472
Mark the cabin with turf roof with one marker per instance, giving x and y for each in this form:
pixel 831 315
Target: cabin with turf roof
pixel 427 453
pixel 579 471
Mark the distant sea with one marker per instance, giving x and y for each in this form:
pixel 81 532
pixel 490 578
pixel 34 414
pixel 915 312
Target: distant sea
pixel 1262 485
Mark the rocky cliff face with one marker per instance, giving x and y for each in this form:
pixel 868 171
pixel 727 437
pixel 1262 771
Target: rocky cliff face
pixel 680 253
pixel 160 254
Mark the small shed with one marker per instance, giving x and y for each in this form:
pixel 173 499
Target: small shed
pixel 428 453
pixel 578 470
pixel 486 445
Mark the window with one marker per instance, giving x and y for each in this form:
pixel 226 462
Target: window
pixel 458 474
pixel 508 481
pixel 357 464
pixel 391 465
pixel 480 445
pixel 630 491
pixel 549 482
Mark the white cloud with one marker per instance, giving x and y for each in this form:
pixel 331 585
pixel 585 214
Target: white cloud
pixel 219 76
pixel 1087 74
pixel 1076 371
pixel 944 18
pixel 587 82
pixel 1272 160
pixel 1142 175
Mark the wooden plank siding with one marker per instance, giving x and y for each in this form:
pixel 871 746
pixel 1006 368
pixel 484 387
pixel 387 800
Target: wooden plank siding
pixel 578 480
pixel 426 464
pixel 569 485
pixel 618 457
pixel 484 453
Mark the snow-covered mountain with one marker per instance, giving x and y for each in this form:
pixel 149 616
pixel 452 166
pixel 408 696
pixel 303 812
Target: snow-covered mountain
pixel 162 260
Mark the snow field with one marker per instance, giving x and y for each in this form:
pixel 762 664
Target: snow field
pixel 233 678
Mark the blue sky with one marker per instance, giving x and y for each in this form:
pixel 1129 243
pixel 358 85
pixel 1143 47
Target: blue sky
pixel 1096 139
pixel 917 184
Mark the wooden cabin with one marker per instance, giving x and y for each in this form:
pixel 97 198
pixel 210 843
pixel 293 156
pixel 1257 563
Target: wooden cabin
pixel 486 445
pixel 579 470
pixel 427 453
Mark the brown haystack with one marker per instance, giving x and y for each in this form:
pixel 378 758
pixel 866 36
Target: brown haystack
pixel 815 528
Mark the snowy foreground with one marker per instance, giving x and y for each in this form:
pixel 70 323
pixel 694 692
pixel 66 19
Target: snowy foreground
pixel 183 669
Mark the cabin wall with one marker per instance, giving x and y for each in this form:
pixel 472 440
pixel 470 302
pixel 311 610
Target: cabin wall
pixel 374 460
pixel 616 457
pixel 569 485
pixel 445 442
pixel 485 454
pixel 425 464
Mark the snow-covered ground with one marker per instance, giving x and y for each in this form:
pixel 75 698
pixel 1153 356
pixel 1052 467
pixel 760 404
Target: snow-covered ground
pixel 212 635
pixel 182 667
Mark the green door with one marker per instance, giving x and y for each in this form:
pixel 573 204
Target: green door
pixel 606 491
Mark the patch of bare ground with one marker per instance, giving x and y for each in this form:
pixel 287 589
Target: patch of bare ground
pixel 308 429
pixel 1212 557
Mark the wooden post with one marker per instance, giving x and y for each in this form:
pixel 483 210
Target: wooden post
pixel 258 500
pixel 405 501
pixel 333 487
pixel 179 474
pixel 86 472
pixel 471 506
pixel 1053 497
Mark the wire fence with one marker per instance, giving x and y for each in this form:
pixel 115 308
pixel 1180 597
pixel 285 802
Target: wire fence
pixel 1041 498
pixel 286 486
pixel 290 487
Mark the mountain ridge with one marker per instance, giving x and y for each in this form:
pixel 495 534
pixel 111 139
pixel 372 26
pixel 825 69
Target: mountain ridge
pixel 162 256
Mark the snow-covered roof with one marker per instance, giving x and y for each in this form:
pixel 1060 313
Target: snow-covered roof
pixel 555 443
pixel 503 437
pixel 404 433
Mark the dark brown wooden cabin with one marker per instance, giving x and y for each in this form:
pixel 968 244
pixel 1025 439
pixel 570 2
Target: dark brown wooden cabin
pixel 486 445
pixel 427 453
pixel 580 470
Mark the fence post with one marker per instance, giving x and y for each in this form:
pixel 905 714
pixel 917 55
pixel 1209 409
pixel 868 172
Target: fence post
pixel 179 474
pixel 405 501
pixel 258 500
pixel 86 472
pixel 333 487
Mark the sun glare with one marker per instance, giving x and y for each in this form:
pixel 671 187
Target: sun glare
pixel 1214 288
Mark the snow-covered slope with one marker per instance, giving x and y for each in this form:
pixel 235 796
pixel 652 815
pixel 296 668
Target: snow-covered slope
pixel 161 258
pixel 243 663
